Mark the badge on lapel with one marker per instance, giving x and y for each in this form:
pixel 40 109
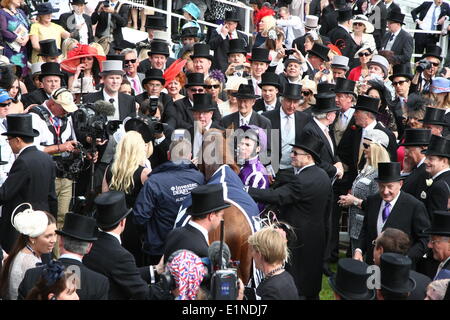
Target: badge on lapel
pixel 423 195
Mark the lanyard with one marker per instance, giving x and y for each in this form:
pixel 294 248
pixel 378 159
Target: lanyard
pixel 57 128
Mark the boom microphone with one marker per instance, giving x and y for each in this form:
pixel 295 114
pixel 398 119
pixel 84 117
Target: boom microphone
pixel 104 108
pixel 218 261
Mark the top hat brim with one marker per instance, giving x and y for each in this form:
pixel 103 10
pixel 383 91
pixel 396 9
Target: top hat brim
pixel 190 212
pixel 195 84
pixel 431 55
pixel 110 72
pixel 259 60
pixel 291 96
pixel 46 55
pixel 405 75
pixel 315 155
pixel 435 153
pixel 410 286
pixel 438 123
pixel 326 59
pixel 277 85
pixel 42 13
pixel 206 56
pixel 245 95
pixel 365 109
pixel 75 236
pixel 395 20
pixel 42 75
pixel 315 108
pixel 237 50
pixel 369 295
pixel 414 144
pixel 144 82
pixel 112 224
pixel 436 232
pixel 164 53
pixel 390 179
pixel 346 91
pixel 340 66
pixel 21 133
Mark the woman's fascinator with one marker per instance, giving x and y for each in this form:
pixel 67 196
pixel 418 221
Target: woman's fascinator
pixel 52 272
pixel 29 222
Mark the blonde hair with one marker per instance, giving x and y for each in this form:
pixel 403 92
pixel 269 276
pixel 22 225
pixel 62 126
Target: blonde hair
pixel 100 50
pixel 270 244
pixel 270 23
pixel 66 44
pixel 130 153
pixel 143 54
pixel 378 154
pixel 440 287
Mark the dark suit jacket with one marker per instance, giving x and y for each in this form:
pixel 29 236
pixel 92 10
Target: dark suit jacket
pixel 422 282
pixel 343 40
pixel 421 11
pixel 437 194
pixel 119 18
pixel 187 238
pixel 221 48
pixel 94 286
pixel 164 98
pixel 402 47
pixel 415 183
pixel 67 21
pixel 146 65
pixel 232 121
pixel 127 103
pixel 393 8
pixel 328 21
pixel 408 215
pixel 260 107
pixel 314 8
pixel 31 179
pixel 109 258
pixel 35 97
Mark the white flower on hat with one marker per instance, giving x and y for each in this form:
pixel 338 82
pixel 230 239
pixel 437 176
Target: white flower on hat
pixel 29 222
pixel 429 182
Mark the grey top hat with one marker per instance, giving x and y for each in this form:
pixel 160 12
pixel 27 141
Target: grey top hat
pixel 112 67
pixel 380 61
pixel 311 22
pixel 340 62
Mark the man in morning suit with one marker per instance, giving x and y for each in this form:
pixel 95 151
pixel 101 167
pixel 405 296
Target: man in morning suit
pixel 206 213
pixel 440 243
pixel 340 36
pixel 31 178
pixel 303 196
pixel 78 23
pixel 392 208
pixel 270 88
pixel 75 240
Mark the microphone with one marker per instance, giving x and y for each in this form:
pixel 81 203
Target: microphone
pixel 218 261
pixel 103 107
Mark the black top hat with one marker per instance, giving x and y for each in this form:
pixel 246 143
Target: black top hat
pixel 292 91
pixel 203 102
pixel 20 125
pixel 231 16
pixel 142 124
pixel 416 137
pixel 119 57
pixel 400 70
pixel 310 144
pixel 325 105
pixel 345 86
pixel 111 209
pixel 439 146
pixel 325 90
pixel 79 227
pixel 388 172
pixel 45 8
pixel 440 224
pixel 320 51
pixel 159 47
pixel 395 273
pixel 245 91
pixel 153 74
pixel 260 54
pixel 270 79
pixel 237 46
pixel 396 16
pixel 367 103
pixel 201 50
pixel 50 69
pixel 49 48
pixel 433 51
pixel 156 23
pixel 434 116
pixel 206 199
pixel 350 280
pixel 189 32
pixel 195 79
pixel 344 14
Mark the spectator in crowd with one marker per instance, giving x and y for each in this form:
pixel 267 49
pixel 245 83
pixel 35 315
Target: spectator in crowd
pixel 377 14
pixel 49 52
pixel 202 59
pixel 131 63
pixel 153 83
pixel 377 89
pixel 270 89
pixel 214 85
pixel 440 92
pixel 340 36
pixel 36 237
pixel 270 252
pixel 293 71
pixel 264 21
pixel 309 89
pixel 174 87
pixel 15 94
pixel 315 60
pixel 69 44
pixel 237 60
pixel 339 67
pixel 192 13
pixel 436 290
pixel 275 44
pixel 311 26
pixel 259 62
pixel 401 81
pixel 360 72
pixel 362 32
pixel 415 110
pixel 292 26
pixel 427 70
pixel 158 57
pixel 6 154
pixel 78 23
pixel 189 36
pixel 434 119
pixel 231 87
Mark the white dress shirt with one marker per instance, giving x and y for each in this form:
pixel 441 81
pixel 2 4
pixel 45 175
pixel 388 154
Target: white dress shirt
pixel 71 256
pixel 298 170
pixel 201 229
pixel 325 128
pixel 287 138
pixel 114 235
pixel 427 21
pixel 115 103
pixel 83 31
pixel 245 120
pixel 439 173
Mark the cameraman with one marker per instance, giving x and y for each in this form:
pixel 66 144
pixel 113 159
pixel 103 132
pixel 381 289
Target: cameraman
pixel 153 84
pixel 56 137
pixel 426 70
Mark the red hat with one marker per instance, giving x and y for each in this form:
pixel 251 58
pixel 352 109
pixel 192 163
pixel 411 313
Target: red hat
pixel 175 68
pixel 80 51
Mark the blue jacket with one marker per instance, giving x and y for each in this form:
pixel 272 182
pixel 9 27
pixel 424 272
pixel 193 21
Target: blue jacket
pixel 157 204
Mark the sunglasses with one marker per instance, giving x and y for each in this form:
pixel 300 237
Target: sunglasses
pixel 358 24
pixel 366 145
pixel 2 105
pixel 364 54
pixel 435 64
pixel 396 83
pixel 128 61
pixel 295 153
pixel 306 93
pixel 215 86
pixel 197 90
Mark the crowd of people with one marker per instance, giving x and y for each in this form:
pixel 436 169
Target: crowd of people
pixel 126 151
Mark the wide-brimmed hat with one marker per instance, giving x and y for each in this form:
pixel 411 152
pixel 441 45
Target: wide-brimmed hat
pixel 156 22
pixel 79 227
pixel 142 124
pixel 64 98
pixel 50 69
pixel 324 105
pixel 440 85
pixel 203 102
pixel 153 74
pixel 381 62
pixel 111 209
pixel 231 16
pixel 195 79
pixel 377 136
pixel 363 48
pixel 233 83
pixel 440 224
pixel 112 67
pixel 206 199
pixel 159 47
pixel 80 51
pixel 344 14
pixel 439 146
pixel 320 51
pixel 364 20
pixel 202 50
pixel 49 48
pixel 344 85
pixel 433 51
pixel 367 103
pixel 270 79
pixel 388 172
pixel 260 54
pixel 193 10
pixel 396 16
pixel 350 280
pixel 45 8
pixel 311 22
pixel 416 137
pixel 309 143
pixel 189 32
pixel 20 125
pixel 400 70
pixel 292 91
pixel 340 62
pixel 434 116
pixel 237 46
pixel 395 273
pixel 246 91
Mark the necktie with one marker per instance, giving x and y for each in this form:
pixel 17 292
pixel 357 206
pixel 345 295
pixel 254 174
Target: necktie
pixel 386 211
pixel 135 86
pixel 288 126
pixel 433 19
pixel 327 134
pixel 392 37
pixel 230 36
pixel 111 100
pixel 243 122
pixel 5 124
